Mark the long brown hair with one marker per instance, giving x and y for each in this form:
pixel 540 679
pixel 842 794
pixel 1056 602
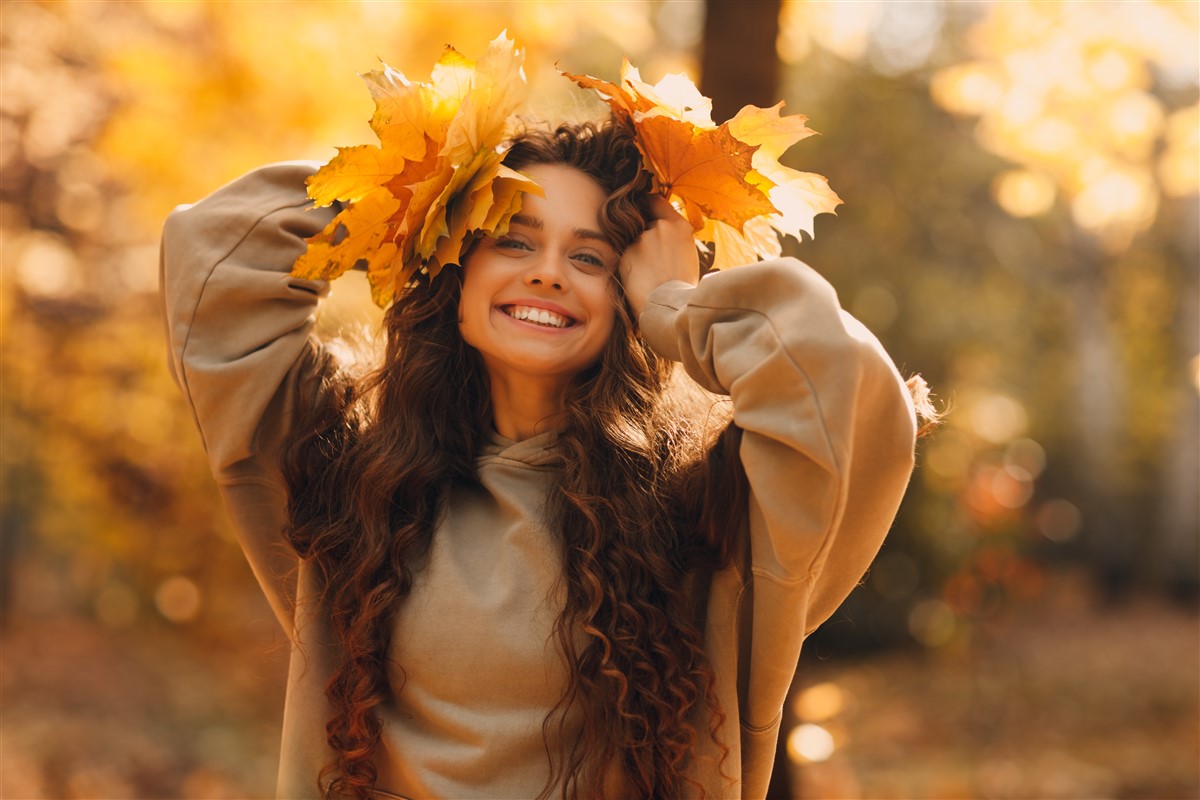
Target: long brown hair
pixel 654 491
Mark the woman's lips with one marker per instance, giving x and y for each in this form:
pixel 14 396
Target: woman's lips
pixel 539 315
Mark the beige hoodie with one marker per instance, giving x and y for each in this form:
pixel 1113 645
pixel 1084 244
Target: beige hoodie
pixel 827 449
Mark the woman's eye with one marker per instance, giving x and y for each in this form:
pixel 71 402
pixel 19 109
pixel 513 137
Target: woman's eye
pixel 590 259
pixel 512 244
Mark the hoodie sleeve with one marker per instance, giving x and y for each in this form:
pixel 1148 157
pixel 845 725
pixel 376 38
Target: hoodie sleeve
pixel 238 330
pixel 827 447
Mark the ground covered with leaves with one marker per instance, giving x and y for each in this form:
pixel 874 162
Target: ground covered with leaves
pixel 1067 698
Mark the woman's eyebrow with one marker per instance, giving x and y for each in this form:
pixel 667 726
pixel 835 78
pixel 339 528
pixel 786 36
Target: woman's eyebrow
pixel 527 221
pixel 537 224
pixel 588 233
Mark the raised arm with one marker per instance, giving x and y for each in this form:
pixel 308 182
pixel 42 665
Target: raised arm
pixel 827 447
pixel 238 333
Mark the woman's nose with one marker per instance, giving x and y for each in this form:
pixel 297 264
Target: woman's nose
pixel 545 272
pixel 535 281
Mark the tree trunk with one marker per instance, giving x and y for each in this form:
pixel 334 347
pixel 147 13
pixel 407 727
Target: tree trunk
pixel 1178 554
pixel 738 64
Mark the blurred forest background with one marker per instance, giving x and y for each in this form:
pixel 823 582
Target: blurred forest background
pixel 1020 226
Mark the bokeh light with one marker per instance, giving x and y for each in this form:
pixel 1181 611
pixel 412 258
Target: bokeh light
pixel 178 599
pixel 810 743
pixel 1023 192
pixel 1063 90
pixel 820 702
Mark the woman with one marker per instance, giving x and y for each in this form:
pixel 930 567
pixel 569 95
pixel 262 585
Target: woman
pixel 532 558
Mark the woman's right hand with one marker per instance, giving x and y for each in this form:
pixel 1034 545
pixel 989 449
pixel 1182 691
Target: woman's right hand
pixel 665 252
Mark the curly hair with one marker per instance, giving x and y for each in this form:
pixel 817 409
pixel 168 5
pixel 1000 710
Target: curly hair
pixel 654 493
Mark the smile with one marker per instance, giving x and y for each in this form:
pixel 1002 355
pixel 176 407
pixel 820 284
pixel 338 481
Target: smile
pixel 538 316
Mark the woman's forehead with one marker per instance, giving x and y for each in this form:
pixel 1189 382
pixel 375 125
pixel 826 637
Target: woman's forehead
pixel 571 199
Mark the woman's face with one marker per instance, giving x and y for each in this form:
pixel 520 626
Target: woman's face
pixel 539 302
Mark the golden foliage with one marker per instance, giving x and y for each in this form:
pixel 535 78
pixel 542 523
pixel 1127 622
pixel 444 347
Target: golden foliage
pixel 706 169
pixel 434 182
pixel 726 179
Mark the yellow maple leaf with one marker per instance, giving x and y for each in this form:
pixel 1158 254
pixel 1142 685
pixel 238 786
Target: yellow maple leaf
pixel 353 173
pixel 496 91
pixel 732 247
pixel 405 113
pixel 360 233
pixel 417 200
pixel 506 199
pixel 798 196
pixel 769 130
pixel 674 96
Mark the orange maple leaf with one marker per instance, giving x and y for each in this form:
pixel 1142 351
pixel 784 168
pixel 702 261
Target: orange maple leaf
pixel 727 179
pixel 705 169
pixel 623 99
pixel 702 168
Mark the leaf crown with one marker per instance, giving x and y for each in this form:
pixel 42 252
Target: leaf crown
pixel 436 181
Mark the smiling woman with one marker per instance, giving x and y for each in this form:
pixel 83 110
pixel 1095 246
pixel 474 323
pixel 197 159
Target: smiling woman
pixel 569 535
pixel 538 303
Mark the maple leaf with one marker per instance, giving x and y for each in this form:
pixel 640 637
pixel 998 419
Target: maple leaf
pixel 359 233
pixel 674 96
pixel 434 183
pixel 769 130
pixel 623 101
pixel 727 179
pixel 704 168
pixel 353 173
pixel 701 167
pixel 798 196
pixel 732 247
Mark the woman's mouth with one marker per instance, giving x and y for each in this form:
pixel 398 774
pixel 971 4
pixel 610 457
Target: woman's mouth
pixel 538 316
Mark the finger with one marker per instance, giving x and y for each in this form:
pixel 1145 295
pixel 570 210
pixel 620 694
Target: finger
pixel 661 209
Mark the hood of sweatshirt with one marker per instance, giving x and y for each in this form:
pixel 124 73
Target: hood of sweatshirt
pixel 536 451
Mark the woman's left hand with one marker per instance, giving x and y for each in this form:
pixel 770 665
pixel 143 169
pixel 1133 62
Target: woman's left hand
pixel 664 252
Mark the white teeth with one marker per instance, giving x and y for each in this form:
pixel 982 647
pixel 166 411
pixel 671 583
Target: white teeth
pixel 538 315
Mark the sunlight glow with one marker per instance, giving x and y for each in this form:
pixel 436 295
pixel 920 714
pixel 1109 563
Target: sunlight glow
pixel 810 743
pixel 1023 192
pixel 844 29
pixel 905 35
pixel 968 89
pixel 1111 70
pixel 1065 91
pixel 1135 121
pixel 997 418
pixel 46 264
pixel 1179 167
pixel 1012 486
pixel 1051 137
pixel 1121 197
pixel 820 702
